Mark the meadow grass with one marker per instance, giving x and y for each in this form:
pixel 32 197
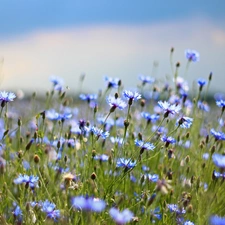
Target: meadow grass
pixel 149 155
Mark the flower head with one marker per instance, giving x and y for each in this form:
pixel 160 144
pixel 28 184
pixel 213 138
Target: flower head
pixel 220 103
pixel 146 79
pixel 121 217
pixel 131 96
pixel 6 97
pixel 150 118
pixel 192 55
pixel 203 106
pixel 31 181
pixel 112 82
pixel 201 83
pixel 57 82
pixel 217 220
pixel 169 109
pixel 126 163
pixel 184 122
pixel 116 103
pixel 88 203
pixel 168 140
pixel 217 135
pixel 49 208
pixel 88 97
pixel 219 160
pixel 99 133
pixel 144 145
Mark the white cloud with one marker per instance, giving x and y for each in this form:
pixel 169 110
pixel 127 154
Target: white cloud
pixel 117 50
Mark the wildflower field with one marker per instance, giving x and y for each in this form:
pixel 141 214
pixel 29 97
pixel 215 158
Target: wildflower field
pixel 152 154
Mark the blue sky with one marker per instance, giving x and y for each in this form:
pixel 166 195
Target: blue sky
pixel 117 38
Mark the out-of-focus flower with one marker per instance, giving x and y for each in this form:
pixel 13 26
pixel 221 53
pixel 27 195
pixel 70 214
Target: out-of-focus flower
pixel 17 213
pixel 121 217
pixel 99 133
pixel 88 203
pixel 88 97
pixel 144 145
pixel 102 157
pixel 168 140
pixel 6 97
pixel 192 55
pixel 219 160
pixel 49 208
pixel 126 163
pixel 203 106
pixel 131 96
pixel 201 83
pixel 146 79
pixel 175 208
pixel 217 135
pixel 188 222
pixel 112 82
pixel 217 220
pixel 57 82
pixel 150 118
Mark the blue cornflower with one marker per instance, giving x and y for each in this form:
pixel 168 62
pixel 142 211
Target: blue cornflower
pixel 99 133
pixel 203 106
pixel 150 118
pixel 102 157
pixel 151 177
pixel 168 108
pixel 201 83
pixel 184 122
pixel 217 220
pixel 144 146
pixel 146 79
pixel 176 209
pixel 220 103
pixel 49 208
pixel 126 163
pixel 192 55
pixel 121 217
pixel 54 116
pixel 6 97
pixel 168 140
pixel 219 160
pixel 31 181
pixel 57 82
pixel 188 222
pixel 17 213
pixel 131 96
pixel 217 135
pixel 155 214
pixel 218 174
pixel 112 82
pixel 88 97
pixel 116 140
pixel 88 203
pixel 115 103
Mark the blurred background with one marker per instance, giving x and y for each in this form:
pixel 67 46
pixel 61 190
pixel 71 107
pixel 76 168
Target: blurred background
pixel 117 38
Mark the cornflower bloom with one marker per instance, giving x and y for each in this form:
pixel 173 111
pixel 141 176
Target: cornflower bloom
pixel 102 158
pixel 188 222
pixel 126 163
pixel 150 118
pixel 203 106
pixel 88 97
pixel 169 109
pixel 112 82
pixel 176 209
pixel 184 122
pixel 192 55
pixel 121 217
pixel 146 79
pixel 17 213
pixel 54 116
pixel 217 220
pixel 49 208
pixel 155 214
pixel 57 82
pixel 220 103
pixel 115 103
pixel 219 160
pixel 6 97
pixel 168 140
pixel 144 146
pixel 30 181
pixel 99 133
pixel 131 96
pixel 88 203
pixel 151 177
pixel 116 140
pixel 201 83
pixel 217 135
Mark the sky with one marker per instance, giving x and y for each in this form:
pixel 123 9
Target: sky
pixel 121 39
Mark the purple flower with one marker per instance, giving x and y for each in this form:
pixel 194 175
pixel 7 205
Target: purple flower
pixel 88 204
pixel 31 181
pixel 116 103
pixel 217 220
pixel 192 55
pixel 184 122
pixel 169 109
pixel 219 160
pixel 121 217
pixel 201 83
pixel 217 135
